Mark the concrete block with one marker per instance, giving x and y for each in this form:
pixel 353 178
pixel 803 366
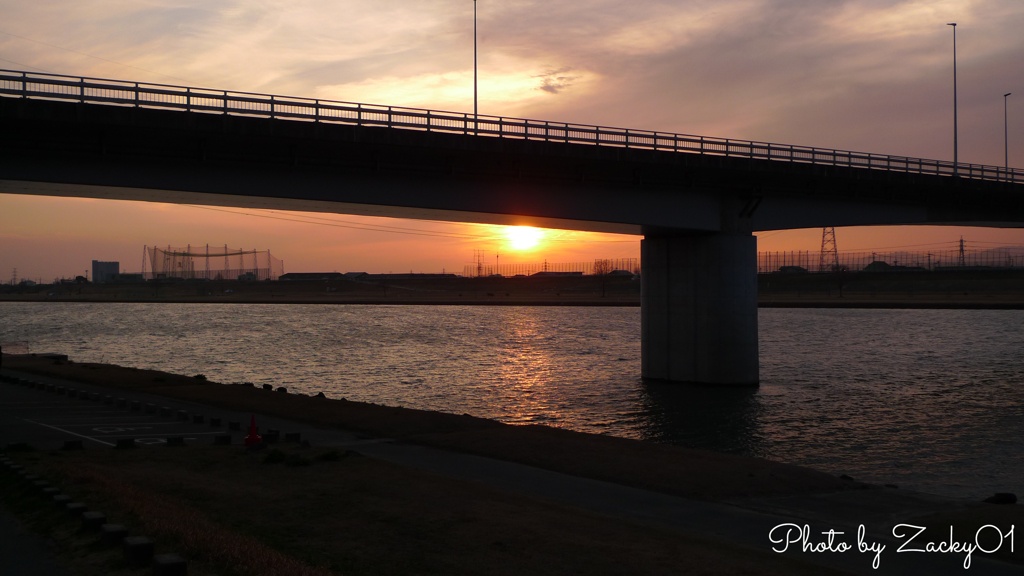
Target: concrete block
pixel 136 405
pixel 222 439
pixel 95 396
pixel 39 386
pixel 268 386
pixel 293 437
pixel 75 508
pixel 30 478
pixel 169 565
pixel 215 422
pixel 50 388
pixel 113 533
pixel 41 484
pixel 61 391
pixel 234 426
pixel 175 441
pixel 92 520
pixel 282 389
pixel 150 408
pixel 138 550
pixel 121 403
pixel 62 501
pixel 73 445
pixel 108 399
pixel 125 443
pixel 271 436
pixel 72 393
pixel 198 419
pixel 183 415
pixel 165 412
pixel 50 492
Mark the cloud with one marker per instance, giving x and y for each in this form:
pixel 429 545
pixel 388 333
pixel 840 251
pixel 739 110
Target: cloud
pixel 556 81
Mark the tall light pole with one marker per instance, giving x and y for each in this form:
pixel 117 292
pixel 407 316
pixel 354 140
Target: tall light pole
pixel 1006 136
pixel 956 166
pixel 475 108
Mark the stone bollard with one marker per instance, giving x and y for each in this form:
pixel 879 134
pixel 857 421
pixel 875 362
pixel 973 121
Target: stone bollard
pixel 121 403
pixel 72 393
pixel 150 408
pixel 183 415
pixel 215 422
pixel 236 426
pixel 61 391
pixel 169 565
pixel 175 441
pixel 93 520
pixel 75 508
pixel 95 396
pixel 62 501
pixel 108 399
pixel 138 550
pixel 268 386
pixel 136 406
pixel 272 436
pixel 125 443
pixel 222 439
pixel 165 412
pixel 198 419
pixel 113 533
pixel 293 437
pixel 282 389
pixel 73 445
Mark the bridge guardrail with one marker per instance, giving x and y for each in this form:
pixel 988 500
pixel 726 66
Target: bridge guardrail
pixel 164 96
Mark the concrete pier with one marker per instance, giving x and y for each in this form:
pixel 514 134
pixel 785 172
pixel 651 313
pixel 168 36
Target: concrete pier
pixel 699 308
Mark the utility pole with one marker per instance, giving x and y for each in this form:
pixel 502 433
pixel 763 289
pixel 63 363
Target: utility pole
pixel 956 159
pixel 960 259
pixel 476 110
pixel 1006 136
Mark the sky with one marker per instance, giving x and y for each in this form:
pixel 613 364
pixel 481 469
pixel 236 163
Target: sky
pixel 865 75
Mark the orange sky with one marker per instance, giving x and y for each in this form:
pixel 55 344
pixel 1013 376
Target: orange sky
pixel 861 74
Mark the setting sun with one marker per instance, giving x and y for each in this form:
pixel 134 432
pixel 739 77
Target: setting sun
pixel 523 237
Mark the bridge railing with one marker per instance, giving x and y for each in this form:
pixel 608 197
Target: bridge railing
pixel 164 96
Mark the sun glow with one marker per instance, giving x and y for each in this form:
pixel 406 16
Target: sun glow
pixel 523 237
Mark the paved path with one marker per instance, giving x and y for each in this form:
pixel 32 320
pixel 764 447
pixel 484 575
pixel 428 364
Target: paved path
pixel 47 419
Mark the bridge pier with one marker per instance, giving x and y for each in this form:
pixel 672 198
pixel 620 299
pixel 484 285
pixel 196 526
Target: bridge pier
pixel 699 309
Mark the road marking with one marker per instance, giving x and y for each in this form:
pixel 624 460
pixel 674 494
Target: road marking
pixel 160 434
pixel 68 432
pixel 111 430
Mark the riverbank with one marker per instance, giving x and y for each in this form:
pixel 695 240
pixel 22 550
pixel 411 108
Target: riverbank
pixel 350 514
pixel 950 290
pixel 664 468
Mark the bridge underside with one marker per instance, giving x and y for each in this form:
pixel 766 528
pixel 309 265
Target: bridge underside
pixel 697 212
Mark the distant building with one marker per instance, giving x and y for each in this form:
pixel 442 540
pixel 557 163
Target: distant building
pixel 550 274
pixel 311 276
pixel 105 271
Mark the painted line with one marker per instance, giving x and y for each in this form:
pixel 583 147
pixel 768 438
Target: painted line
pixel 68 432
pixel 122 424
pixel 160 434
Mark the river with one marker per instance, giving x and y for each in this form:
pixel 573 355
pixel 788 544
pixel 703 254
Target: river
pixel 931 400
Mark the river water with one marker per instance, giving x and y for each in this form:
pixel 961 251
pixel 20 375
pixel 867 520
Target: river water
pixel 931 400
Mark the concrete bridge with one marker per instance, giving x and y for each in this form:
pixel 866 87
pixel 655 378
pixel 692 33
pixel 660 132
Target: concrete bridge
pixel 696 200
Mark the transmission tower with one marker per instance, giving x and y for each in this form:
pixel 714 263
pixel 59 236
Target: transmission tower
pixel 479 255
pixel 829 260
pixel 960 257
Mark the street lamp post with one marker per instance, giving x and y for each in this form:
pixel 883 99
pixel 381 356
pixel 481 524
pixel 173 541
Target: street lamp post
pixel 475 108
pixel 1006 136
pixel 956 166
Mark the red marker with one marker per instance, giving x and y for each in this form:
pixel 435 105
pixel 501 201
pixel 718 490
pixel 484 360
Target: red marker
pixel 253 437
